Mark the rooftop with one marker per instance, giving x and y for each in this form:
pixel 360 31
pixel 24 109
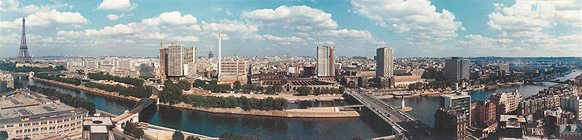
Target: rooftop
pixel 23 99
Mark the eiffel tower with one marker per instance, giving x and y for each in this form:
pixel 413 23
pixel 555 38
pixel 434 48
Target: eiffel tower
pixel 23 55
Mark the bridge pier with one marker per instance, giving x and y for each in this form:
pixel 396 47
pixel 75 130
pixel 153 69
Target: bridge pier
pixel 134 118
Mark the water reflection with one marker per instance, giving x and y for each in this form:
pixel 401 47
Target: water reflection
pixel 170 115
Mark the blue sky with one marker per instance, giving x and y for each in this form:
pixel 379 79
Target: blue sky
pixel 415 28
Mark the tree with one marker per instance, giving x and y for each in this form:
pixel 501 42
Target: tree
pixel 177 135
pixel 226 136
pixel 303 90
pixel 305 103
pixel 133 129
pixel 277 87
pixel 341 90
pixel 185 85
pixel 193 138
pixel 236 85
pixel 26 138
pixel 171 94
pixel 3 135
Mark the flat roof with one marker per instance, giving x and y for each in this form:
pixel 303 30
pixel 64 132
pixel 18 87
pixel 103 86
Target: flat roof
pixel 23 99
pixel 97 121
pixel 98 129
pixel 38 112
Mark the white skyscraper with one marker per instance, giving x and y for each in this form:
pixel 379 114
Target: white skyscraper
pixel 325 61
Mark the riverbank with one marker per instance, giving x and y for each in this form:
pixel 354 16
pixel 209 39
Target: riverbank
pixel 316 112
pixel 289 97
pixel 87 89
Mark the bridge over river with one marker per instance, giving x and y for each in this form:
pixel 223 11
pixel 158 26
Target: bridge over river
pixel 403 125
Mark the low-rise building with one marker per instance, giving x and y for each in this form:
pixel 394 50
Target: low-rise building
pixel 450 123
pixel 36 116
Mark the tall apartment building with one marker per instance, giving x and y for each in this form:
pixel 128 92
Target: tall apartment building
pixel 175 61
pixel 504 67
pixel 384 62
pixel 325 61
pixel 459 102
pixel 574 104
pixel 506 101
pixel 450 123
pixel 233 71
pixel 36 116
pixel 189 61
pixel 483 113
pixel 178 61
pixel 456 68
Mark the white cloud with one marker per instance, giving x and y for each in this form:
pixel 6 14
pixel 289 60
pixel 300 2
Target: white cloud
pixel 286 39
pixel 417 17
pixel 185 38
pixel 324 43
pixel 170 18
pixel 123 5
pixel 224 10
pixel 302 18
pixel 284 43
pixel 229 26
pixel 525 20
pixel 131 28
pixel 223 36
pixel 45 18
pixel 114 17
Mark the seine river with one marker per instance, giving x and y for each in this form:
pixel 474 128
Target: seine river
pixel 423 108
pixel 283 128
pixel 213 125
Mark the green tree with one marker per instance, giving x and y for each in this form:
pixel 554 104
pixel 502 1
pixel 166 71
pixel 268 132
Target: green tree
pixel 3 135
pixel 177 135
pixel 341 90
pixel 236 85
pixel 185 85
pixel 133 129
pixel 277 87
pixel 303 90
pixel 192 138
pixel 226 135
pixel 171 93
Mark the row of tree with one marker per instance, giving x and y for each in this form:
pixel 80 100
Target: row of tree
pixel 232 102
pixel 304 90
pixel 212 85
pixel 179 136
pixel 68 99
pixel 100 76
pixel 12 67
pixel 59 79
pixel 136 91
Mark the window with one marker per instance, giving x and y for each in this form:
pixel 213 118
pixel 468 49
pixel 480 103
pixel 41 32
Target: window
pixel 36 123
pixel 1 126
pixel 66 120
pixel 44 128
pixel 52 127
pixel 43 122
pixel 18 131
pixel 10 125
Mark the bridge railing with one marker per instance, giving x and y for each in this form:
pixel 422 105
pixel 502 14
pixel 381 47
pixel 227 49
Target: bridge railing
pixel 391 122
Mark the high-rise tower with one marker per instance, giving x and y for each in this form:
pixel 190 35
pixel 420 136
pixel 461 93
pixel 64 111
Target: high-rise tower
pixel 325 61
pixel 210 53
pixel 23 55
pixel 384 62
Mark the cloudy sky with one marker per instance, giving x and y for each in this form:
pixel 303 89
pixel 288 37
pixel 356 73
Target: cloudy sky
pixel 437 28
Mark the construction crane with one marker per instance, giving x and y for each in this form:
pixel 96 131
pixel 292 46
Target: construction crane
pixel 161 45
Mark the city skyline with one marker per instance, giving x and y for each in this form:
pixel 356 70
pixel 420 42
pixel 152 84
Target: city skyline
pixel 415 28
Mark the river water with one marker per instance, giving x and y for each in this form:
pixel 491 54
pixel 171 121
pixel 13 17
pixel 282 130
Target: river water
pixel 423 108
pixel 215 124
